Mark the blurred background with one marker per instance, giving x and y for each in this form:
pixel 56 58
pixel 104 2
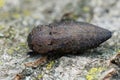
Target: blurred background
pixel 18 17
pixel 28 12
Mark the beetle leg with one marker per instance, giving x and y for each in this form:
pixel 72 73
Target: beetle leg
pixel 36 62
pixel 18 77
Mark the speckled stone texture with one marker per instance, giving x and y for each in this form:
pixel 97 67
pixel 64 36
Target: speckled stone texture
pixel 23 15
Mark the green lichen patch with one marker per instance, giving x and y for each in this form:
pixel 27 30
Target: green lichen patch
pixel 94 73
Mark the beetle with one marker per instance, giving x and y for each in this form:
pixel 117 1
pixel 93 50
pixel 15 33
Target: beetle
pixel 66 36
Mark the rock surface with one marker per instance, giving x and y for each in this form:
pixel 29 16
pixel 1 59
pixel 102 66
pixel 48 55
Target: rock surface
pixel 18 17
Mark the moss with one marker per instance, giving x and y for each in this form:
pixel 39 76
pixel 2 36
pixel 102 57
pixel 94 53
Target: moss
pixel 119 50
pixel 1 27
pixel 10 33
pixel 40 76
pixel 86 9
pixel 1 33
pixel 93 73
pixel 50 64
pixel 16 15
pixel 10 51
pixel 1 62
pixel 2 3
pixel 26 12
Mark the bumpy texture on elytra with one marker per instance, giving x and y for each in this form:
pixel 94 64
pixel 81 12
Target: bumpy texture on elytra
pixel 66 37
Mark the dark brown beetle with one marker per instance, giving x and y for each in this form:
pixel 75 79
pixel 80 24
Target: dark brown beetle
pixel 65 37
